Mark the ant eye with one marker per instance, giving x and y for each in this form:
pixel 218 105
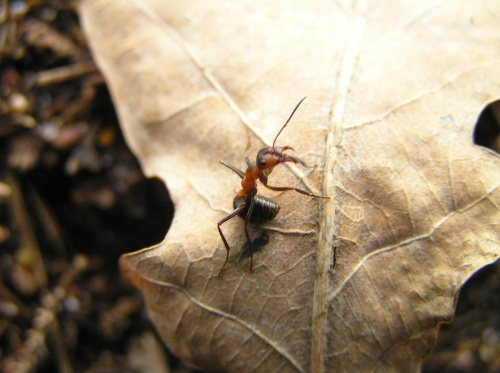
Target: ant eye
pixel 261 162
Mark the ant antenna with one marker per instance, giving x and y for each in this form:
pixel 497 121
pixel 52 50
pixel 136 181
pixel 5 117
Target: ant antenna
pixel 291 115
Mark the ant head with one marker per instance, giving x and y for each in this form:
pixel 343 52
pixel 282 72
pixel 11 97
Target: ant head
pixel 267 158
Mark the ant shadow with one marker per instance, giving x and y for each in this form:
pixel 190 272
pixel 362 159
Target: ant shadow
pixel 258 244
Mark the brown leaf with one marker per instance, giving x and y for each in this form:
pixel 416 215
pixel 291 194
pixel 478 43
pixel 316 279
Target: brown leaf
pixel 356 283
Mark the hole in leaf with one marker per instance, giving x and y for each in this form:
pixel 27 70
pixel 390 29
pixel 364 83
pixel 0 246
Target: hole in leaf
pixel 487 129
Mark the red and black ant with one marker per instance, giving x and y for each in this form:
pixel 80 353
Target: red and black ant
pixel 251 206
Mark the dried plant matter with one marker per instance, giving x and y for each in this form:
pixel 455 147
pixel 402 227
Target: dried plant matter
pixel 359 282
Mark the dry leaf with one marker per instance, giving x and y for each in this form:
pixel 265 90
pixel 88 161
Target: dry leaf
pixel 357 283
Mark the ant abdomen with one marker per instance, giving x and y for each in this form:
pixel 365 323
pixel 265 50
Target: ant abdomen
pixel 264 209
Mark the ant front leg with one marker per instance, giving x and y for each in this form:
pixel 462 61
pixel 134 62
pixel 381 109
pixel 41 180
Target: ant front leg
pixel 231 167
pixel 230 216
pixel 286 189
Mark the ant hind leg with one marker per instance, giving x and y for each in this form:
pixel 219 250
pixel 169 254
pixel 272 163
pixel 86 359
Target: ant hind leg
pixel 247 219
pixel 228 217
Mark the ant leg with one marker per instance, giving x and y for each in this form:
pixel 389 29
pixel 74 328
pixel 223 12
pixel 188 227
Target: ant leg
pixel 231 167
pixel 247 219
pixel 228 217
pixel 285 189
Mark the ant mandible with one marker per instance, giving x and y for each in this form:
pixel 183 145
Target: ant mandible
pixel 251 206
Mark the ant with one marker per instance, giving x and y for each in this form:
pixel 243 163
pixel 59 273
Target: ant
pixel 251 206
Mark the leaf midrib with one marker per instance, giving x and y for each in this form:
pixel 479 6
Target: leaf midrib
pixel 326 229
